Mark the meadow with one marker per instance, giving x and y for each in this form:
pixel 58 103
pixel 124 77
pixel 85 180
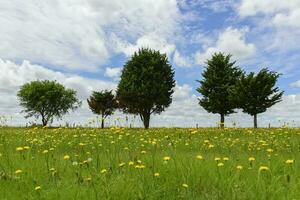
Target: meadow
pixel 120 163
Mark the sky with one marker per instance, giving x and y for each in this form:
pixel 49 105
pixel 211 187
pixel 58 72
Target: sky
pixel 84 44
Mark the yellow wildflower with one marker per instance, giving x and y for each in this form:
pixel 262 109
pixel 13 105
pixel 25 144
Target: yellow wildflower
pixel 66 157
pixel 263 168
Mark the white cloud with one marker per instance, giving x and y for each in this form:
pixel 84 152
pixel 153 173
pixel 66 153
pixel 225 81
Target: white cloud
pixel 295 84
pixel 181 61
pixel 230 41
pixel 113 72
pixel 151 40
pixel 280 13
pixel 75 34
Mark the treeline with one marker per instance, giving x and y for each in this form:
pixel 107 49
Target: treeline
pixel 147 85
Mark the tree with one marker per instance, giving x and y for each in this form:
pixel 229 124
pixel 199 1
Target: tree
pixel 219 77
pixel 102 103
pixel 146 85
pixel 255 93
pixel 47 99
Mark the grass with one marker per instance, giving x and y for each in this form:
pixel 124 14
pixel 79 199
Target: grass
pixel 154 164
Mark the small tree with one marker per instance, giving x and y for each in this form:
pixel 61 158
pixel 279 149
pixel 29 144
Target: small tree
pixel 47 99
pixel 219 77
pixel 146 85
pixel 255 93
pixel 102 103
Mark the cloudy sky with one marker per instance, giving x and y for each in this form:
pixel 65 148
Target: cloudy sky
pixel 84 44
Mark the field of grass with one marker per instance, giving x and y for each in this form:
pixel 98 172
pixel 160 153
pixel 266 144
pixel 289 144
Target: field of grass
pixel 149 164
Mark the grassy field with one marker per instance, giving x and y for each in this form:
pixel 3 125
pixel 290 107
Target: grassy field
pixel 154 164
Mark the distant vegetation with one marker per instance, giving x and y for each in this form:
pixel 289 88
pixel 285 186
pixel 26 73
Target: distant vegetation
pixel 147 85
pixel 46 100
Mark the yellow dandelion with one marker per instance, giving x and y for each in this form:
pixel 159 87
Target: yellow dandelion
pixel 130 163
pixel 185 185
pixel 88 179
pixel 220 164
pixel 19 171
pixel 239 167
pixel 289 162
pixel 167 158
pixel 37 188
pixel 263 168
pixel 251 159
pixel 26 147
pixel 217 159
pixel 140 166
pixel 66 157
pixel 19 149
pixel 103 171
pixel 199 157
pixel 225 158
pixel 122 164
pixel 45 151
pixel 156 174
pixel 270 150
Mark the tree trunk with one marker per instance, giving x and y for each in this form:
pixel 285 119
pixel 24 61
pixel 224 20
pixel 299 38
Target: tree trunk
pixel 146 119
pixel 102 122
pixel 222 121
pixel 44 121
pixel 255 120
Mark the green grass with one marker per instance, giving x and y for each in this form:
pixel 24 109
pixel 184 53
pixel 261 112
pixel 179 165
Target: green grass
pixel 129 158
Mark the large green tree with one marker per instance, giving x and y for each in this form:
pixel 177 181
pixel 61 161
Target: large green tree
pixel 219 77
pixel 146 85
pixel 47 99
pixel 255 93
pixel 102 103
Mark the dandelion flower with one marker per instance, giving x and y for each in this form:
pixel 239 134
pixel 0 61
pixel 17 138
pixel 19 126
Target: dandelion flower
pixel 220 164
pixel 88 179
pixel 217 159
pixel 239 167
pixel 289 162
pixel 263 168
pixel 251 159
pixel 103 171
pixel 199 157
pixel 167 158
pixel 19 149
pixel 45 151
pixel 66 157
pixel 225 158
pixel 26 147
pixel 122 164
pixel 185 185
pixel 37 188
pixel 19 171
pixel 156 174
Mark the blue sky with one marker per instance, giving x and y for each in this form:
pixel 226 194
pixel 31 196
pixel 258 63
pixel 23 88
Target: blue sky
pixel 84 45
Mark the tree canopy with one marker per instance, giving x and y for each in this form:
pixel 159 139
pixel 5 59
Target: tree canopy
pixel 255 93
pixel 47 99
pixel 102 103
pixel 146 85
pixel 219 77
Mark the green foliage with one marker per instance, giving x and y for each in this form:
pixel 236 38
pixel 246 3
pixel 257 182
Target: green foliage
pixel 255 93
pixel 219 77
pixel 102 103
pixel 146 85
pixel 47 99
